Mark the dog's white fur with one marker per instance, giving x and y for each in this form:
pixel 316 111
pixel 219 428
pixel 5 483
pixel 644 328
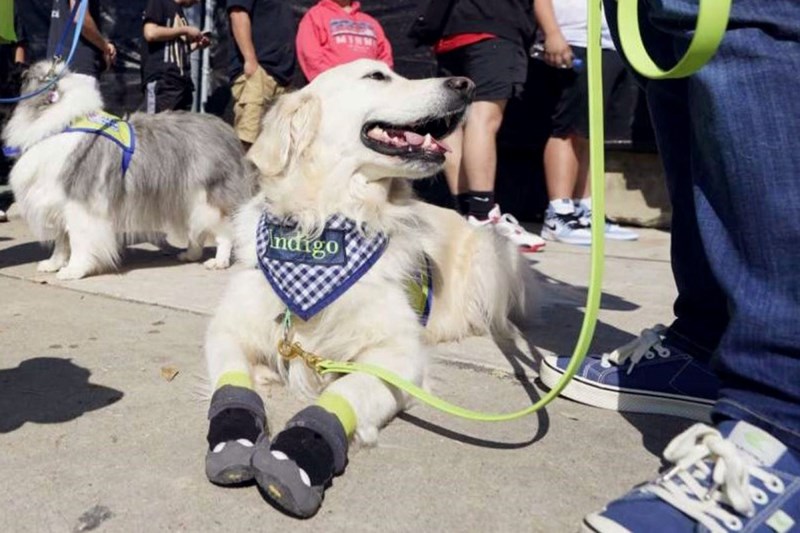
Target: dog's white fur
pixel 86 226
pixel 313 164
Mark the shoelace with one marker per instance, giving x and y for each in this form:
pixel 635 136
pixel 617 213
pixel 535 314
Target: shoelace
pixel 730 476
pixel 647 345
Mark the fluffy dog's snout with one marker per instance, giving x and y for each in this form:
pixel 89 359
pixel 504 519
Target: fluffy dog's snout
pixel 463 86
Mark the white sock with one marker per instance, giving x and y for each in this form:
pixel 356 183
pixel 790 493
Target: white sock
pixel 562 206
pixel 586 203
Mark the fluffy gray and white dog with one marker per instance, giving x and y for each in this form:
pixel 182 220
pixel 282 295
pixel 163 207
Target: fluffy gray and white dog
pixel 184 175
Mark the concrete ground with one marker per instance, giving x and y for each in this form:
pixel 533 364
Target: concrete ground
pixel 94 435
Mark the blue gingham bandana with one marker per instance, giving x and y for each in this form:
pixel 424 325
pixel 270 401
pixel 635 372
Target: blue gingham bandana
pixel 309 274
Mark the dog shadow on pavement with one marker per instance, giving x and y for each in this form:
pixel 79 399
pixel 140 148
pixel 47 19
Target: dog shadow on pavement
pixel 23 254
pixel 49 390
pixel 133 258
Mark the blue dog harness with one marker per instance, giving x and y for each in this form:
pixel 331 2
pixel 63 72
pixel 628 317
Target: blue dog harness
pixel 110 127
pixel 308 274
pixel 104 125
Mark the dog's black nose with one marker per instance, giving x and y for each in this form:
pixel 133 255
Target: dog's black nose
pixel 461 85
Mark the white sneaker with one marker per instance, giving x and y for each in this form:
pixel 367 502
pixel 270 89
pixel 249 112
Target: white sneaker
pixel 565 228
pixel 509 227
pixel 613 231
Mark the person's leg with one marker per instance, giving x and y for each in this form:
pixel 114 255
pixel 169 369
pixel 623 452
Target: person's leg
pixel 479 154
pixel 583 186
pixel 745 168
pixel 251 97
pixel 665 370
pixel 561 166
pixel 561 169
pixel 499 69
pixel 741 190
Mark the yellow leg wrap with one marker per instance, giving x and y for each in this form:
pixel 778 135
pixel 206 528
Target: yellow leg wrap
pixel 236 378
pixel 341 409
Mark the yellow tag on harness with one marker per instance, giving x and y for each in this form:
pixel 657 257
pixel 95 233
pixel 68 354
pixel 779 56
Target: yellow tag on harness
pixel 111 127
pixel 107 125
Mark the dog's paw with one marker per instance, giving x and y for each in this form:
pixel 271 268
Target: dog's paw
pixel 190 256
pixel 68 273
pixel 217 264
pixel 50 265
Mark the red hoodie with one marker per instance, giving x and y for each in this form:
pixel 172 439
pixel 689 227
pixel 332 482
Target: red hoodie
pixel 329 36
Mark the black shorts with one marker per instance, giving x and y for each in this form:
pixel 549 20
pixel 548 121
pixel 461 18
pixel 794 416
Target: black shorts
pixel 498 67
pixel 570 115
pixel 169 94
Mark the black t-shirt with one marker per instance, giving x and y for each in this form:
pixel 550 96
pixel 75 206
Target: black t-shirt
pixel 165 59
pixel 88 59
pixel 509 19
pixel 273 29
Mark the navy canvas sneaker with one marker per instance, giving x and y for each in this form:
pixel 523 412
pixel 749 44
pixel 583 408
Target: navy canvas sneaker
pixel 647 375
pixel 734 478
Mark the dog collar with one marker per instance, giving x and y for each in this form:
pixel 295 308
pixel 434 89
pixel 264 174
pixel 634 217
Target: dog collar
pixel 308 274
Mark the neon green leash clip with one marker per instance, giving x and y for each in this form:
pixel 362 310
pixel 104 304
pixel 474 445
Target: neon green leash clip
pixel 711 24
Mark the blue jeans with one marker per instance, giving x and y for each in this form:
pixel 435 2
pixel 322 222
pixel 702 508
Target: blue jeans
pixel 728 137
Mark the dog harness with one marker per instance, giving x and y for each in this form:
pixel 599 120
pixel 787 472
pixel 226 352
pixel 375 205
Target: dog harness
pixel 110 127
pixel 308 274
pixel 104 125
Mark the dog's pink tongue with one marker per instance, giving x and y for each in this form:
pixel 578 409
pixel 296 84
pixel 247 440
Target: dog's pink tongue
pixel 414 139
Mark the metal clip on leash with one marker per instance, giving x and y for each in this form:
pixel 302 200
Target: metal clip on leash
pixel 289 350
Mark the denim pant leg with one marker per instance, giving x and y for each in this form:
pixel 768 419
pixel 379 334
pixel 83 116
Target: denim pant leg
pixel 744 158
pixel 746 163
pixel 701 308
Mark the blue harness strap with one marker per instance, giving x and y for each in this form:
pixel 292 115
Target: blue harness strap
pixel 110 127
pixel 11 151
pixel 103 124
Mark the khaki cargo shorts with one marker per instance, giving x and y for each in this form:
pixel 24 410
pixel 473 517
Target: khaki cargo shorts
pixel 252 98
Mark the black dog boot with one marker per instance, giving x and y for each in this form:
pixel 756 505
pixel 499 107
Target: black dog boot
pixel 237 422
pixel 301 462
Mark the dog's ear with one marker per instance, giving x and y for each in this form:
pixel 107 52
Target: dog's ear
pixel 287 131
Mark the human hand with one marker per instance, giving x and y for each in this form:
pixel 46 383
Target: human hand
pixel 204 41
pixel 557 52
pixel 250 68
pixel 110 55
pixel 192 34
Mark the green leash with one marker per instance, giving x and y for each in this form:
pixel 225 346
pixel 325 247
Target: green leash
pixel 711 24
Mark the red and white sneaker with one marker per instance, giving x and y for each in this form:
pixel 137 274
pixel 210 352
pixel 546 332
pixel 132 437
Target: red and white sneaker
pixel 509 227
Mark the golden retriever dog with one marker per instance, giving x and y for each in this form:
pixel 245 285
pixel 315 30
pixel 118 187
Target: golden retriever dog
pixel 343 258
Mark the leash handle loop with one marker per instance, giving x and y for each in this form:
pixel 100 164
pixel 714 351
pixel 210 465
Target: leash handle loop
pixel 712 20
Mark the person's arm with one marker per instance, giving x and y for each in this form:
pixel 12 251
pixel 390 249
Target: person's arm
pixel 19 53
pixel 309 44
pixel 243 35
pixel 92 34
pixel 557 52
pixel 155 33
